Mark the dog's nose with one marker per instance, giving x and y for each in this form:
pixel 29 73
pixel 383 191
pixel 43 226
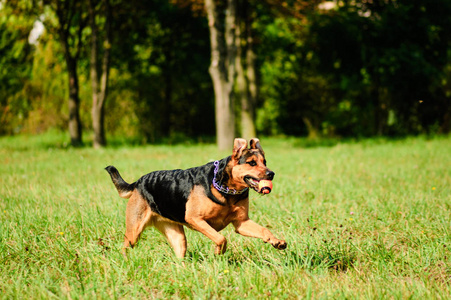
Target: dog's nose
pixel 270 175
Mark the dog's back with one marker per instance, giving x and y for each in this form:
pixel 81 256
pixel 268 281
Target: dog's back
pixel 167 191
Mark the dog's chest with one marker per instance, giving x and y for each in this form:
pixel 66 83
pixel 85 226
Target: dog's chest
pixel 223 216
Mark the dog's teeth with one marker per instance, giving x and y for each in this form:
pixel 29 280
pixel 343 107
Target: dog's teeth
pixel 252 182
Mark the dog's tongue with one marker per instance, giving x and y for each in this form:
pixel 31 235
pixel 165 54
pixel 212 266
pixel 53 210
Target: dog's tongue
pixel 265 186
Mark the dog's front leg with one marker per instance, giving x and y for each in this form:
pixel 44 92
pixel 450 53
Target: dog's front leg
pixel 251 229
pixel 203 227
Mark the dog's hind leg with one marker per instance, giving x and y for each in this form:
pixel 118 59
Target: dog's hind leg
pixel 138 215
pixel 175 234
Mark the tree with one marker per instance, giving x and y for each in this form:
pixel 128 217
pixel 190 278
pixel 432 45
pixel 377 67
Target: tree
pixel 100 60
pixel 246 72
pixel 222 68
pixel 70 24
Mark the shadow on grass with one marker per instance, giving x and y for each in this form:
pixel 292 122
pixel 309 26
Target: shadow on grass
pixel 316 259
pixel 56 139
pixel 334 261
pixel 326 142
pixel 117 142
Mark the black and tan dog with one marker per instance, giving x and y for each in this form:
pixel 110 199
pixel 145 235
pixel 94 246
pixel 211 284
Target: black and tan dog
pixel 205 198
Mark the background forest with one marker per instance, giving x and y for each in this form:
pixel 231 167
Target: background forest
pixel 322 68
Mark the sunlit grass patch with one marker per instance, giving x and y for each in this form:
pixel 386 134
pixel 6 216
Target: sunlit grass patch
pixel 362 220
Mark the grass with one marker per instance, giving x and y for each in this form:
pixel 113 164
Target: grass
pixel 367 219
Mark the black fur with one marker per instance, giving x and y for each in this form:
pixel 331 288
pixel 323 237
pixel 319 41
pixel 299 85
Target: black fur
pixel 120 184
pixel 167 191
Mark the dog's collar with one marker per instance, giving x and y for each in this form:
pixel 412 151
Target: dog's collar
pixel 225 189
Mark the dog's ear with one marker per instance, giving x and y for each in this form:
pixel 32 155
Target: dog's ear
pixel 238 147
pixel 255 144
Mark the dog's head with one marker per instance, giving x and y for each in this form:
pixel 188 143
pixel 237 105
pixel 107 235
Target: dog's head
pixel 249 164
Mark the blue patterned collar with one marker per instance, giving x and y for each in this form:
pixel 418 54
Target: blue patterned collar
pixel 225 189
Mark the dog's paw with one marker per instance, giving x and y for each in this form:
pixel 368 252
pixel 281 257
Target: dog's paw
pixel 279 244
pixel 221 247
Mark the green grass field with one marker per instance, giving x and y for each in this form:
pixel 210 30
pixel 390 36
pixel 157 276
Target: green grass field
pixel 366 220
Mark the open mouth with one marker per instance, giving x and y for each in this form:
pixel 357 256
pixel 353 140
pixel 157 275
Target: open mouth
pixel 252 182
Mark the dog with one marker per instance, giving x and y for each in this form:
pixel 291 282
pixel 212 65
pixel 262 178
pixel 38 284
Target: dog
pixel 205 198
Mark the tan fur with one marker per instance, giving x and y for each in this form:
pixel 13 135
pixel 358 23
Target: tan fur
pixel 125 194
pixel 208 218
pixel 138 216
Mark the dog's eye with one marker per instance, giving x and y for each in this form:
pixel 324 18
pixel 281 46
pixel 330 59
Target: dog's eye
pixel 264 162
pixel 252 163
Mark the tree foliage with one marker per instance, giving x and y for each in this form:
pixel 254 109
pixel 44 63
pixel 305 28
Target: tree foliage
pixel 322 68
pixel 16 56
pixel 363 68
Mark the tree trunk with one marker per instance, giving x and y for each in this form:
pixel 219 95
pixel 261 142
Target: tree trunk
pixel 248 103
pixel 99 84
pixel 65 12
pixel 75 128
pixel 446 122
pixel 313 131
pixel 222 70
pixel 242 92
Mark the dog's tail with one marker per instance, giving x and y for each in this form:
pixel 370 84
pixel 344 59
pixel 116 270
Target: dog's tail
pixel 125 190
